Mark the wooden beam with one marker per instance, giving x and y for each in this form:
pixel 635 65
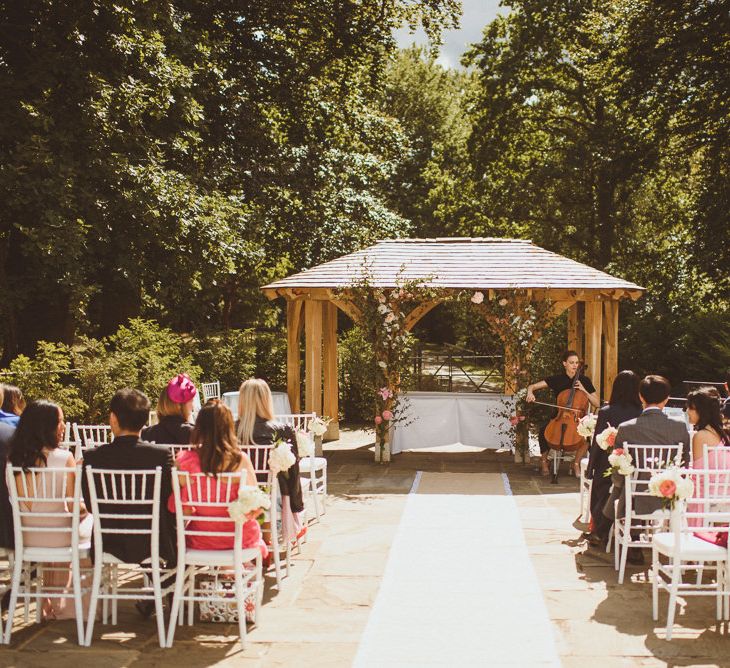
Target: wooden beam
pixel 331 390
pixel 348 308
pixel 313 356
pixel 575 332
pixel 560 307
pixel 610 336
pixel 418 312
pixel 294 322
pixel 593 330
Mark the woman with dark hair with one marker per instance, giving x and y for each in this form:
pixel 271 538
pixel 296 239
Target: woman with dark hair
pixel 217 452
pixel 36 444
pixel 623 405
pixel 703 413
pixel 13 400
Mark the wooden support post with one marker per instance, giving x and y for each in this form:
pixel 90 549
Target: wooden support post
pixel 593 329
pixel 313 356
pixel 575 336
pixel 294 324
pixel 610 335
pixel 510 377
pixel 331 390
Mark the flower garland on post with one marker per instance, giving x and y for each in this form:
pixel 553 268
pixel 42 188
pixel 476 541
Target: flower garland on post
pixel 383 318
pixel 518 321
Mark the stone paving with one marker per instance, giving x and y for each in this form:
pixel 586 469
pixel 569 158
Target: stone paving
pixel 322 611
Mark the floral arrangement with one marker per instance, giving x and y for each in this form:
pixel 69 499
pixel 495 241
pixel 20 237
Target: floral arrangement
pixel 317 426
pixel 671 486
pixel 621 462
pixel 384 318
pixel 587 426
pixel 281 458
pixel 607 438
pixel 250 498
pixel 305 446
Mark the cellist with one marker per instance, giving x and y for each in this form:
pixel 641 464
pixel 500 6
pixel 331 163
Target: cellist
pixel 558 383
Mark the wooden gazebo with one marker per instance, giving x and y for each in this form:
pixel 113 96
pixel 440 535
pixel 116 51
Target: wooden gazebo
pixel 489 265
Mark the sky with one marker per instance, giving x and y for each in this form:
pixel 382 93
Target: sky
pixel 477 13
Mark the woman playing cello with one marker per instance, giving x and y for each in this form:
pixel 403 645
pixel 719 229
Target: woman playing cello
pixel 559 383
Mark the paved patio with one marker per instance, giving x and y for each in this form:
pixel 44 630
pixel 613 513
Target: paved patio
pixel 324 609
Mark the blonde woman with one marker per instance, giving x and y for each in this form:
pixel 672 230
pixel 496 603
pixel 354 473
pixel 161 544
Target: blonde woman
pixel 174 413
pixel 256 426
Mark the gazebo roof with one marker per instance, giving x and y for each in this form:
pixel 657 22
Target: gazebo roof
pixel 457 263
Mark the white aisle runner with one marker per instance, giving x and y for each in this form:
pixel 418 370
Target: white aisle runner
pixel 459 588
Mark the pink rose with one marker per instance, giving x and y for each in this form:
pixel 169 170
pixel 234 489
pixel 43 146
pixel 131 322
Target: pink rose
pixel 378 419
pixel 387 415
pixel 667 488
pixel 513 420
pixel 611 439
pixel 385 393
pixel 618 451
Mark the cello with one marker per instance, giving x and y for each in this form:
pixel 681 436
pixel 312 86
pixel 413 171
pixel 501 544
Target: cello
pixel 561 433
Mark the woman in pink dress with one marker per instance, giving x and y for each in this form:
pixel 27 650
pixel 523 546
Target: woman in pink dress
pixel 703 412
pixel 217 452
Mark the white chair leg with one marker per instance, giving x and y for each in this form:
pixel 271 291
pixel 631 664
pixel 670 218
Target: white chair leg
pixel 673 591
pixel 277 564
pixel 78 607
pixel 93 603
pixel 157 587
pixel 654 584
pixel 26 593
pixel 288 558
pixel 240 603
pixel 14 587
pixel 191 592
pixel 176 602
pixel 622 561
pixel 115 588
pixel 38 588
pixel 700 569
pixel 313 491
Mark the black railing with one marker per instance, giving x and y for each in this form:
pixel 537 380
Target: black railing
pixel 455 371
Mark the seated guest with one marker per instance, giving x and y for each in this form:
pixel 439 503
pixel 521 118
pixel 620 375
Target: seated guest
pixel 13 400
pixel 623 405
pixel 217 452
pixel 6 416
pixel 703 413
pixel 7 539
pixel 652 427
pixel 36 444
pixel 256 426
pixel 174 411
pixel 129 411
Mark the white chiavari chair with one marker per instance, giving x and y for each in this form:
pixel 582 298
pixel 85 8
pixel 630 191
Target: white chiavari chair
pixel 211 390
pixel 646 460
pixel 45 500
pixel 202 494
pixel 177 448
pixel 259 456
pixel 87 436
pixel 684 549
pixel 314 468
pixel 125 502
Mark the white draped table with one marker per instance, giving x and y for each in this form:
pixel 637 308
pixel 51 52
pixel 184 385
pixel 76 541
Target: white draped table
pixel 434 419
pixel 281 403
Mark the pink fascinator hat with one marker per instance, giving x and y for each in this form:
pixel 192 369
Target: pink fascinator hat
pixel 181 389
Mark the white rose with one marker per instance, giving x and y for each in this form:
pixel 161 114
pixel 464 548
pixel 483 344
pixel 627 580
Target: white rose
pixel 318 426
pixel 250 498
pixel 503 301
pixel 281 458
pixel 477 297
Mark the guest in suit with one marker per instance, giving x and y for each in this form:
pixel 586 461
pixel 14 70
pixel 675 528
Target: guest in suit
pixel 652 427
pixel 623 405
pixel 129 411
pixel 174 413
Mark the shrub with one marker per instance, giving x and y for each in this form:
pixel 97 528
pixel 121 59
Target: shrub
pixel 229 357
pixel 270 358
pixel 356 360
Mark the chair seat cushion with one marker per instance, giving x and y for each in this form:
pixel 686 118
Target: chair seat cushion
pixel 218 557
pixel 691 547
pixel 320 463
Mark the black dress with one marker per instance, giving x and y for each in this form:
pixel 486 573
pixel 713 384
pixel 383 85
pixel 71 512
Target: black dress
pixel 170 430
pixel 613 416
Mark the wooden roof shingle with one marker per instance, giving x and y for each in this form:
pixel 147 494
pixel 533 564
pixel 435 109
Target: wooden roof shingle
pixel 457 263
